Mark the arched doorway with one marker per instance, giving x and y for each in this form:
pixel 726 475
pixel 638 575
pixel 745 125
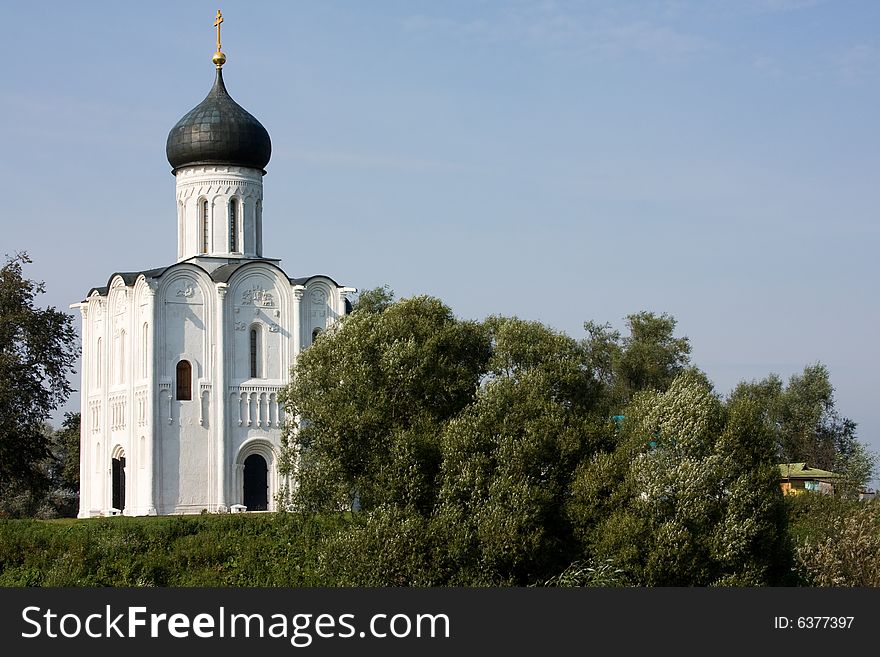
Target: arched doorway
pixel 118 501
pixel 256 483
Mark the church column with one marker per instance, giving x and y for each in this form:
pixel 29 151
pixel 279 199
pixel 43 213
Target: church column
pixel 105 480
pixel 150 415
pixel 85 426
pixel 220 396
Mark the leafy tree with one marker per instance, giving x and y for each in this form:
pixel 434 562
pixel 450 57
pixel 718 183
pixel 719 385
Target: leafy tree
pixel 807 427
pixel 37 351
pixel 503 465
pixel 649 358
pixel 369 400
pixel 58 494
pixel 848 556
pixel 374 300
pixel 67 450
pixel 695 492
pixel 508 458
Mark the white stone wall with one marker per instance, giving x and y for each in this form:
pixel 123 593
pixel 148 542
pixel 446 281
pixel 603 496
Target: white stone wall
pixel 185 323
pixel 117 329
pixel 219 185
pixel 185 456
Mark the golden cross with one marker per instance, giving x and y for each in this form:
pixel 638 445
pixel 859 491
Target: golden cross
pixel 217 25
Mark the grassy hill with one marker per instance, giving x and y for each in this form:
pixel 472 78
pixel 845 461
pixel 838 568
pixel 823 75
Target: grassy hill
pixel 205 550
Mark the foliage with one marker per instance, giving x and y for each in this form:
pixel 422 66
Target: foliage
pixel 649 358
pixel 374 300
pixel 588 573
pixel 58 496
pixel 696 499
pixel 509 457
pixel 807 427
pixel 369 400
pixel 507 453
pixel 239 550
pixel 37 351
pixel 835 540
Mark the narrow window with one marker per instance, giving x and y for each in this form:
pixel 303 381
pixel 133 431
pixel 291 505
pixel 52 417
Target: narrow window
pixel 255 352
pixel 184 381
pixel 315 333
pixel 258 221
pixel 233 226
pixel 122 357
pixel 113 357
pixel 99 362
pixel 145 349
pixel 204 226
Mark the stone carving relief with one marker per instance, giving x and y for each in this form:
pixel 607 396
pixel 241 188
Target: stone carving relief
pixel 319 303
pixel 121 302
pixel 188 290
pixel 257 296
pixel 183 290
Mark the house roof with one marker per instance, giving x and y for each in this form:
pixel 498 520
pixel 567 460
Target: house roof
pixel 803 471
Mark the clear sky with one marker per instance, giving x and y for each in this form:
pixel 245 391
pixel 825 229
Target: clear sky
pixel 716 160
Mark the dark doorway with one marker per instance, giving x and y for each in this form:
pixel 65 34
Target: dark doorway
pixel 119 483
pixel 256 483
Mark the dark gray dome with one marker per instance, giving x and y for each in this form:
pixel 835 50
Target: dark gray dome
pixel 218 131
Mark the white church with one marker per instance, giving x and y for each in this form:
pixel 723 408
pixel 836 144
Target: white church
pixel 182 365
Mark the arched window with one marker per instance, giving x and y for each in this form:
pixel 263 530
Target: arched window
pixel 184 381
pixel 255 352
pixel 233 226
pixel 315 333
pixel 204 224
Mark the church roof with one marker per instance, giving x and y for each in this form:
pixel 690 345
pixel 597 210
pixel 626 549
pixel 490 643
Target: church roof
pixel 128 277
pixel 218 131
pixel 221 274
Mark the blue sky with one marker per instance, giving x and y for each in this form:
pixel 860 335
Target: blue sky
pixel 560 161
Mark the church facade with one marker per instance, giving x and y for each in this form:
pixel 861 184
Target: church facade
pixel 182 365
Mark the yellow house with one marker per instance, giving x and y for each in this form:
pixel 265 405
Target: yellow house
pixel 797 478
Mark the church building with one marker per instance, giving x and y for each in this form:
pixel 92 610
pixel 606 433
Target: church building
pixel 182 364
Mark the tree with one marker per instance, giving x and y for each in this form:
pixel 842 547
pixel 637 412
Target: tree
pixel 65 453
pixel 693 496
pixel 807 427
pixel 374 300
pixel 503 465
pixel 508 459
pixel 846 557
pixel 649 358
pixel 37 351
pixel 58 492
pixel 368 401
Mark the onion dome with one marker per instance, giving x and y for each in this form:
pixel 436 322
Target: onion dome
pixel 218 131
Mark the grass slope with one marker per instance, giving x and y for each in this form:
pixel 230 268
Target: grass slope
pixel 206 550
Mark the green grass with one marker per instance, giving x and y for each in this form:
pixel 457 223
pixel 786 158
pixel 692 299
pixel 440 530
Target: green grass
pixel 205 550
